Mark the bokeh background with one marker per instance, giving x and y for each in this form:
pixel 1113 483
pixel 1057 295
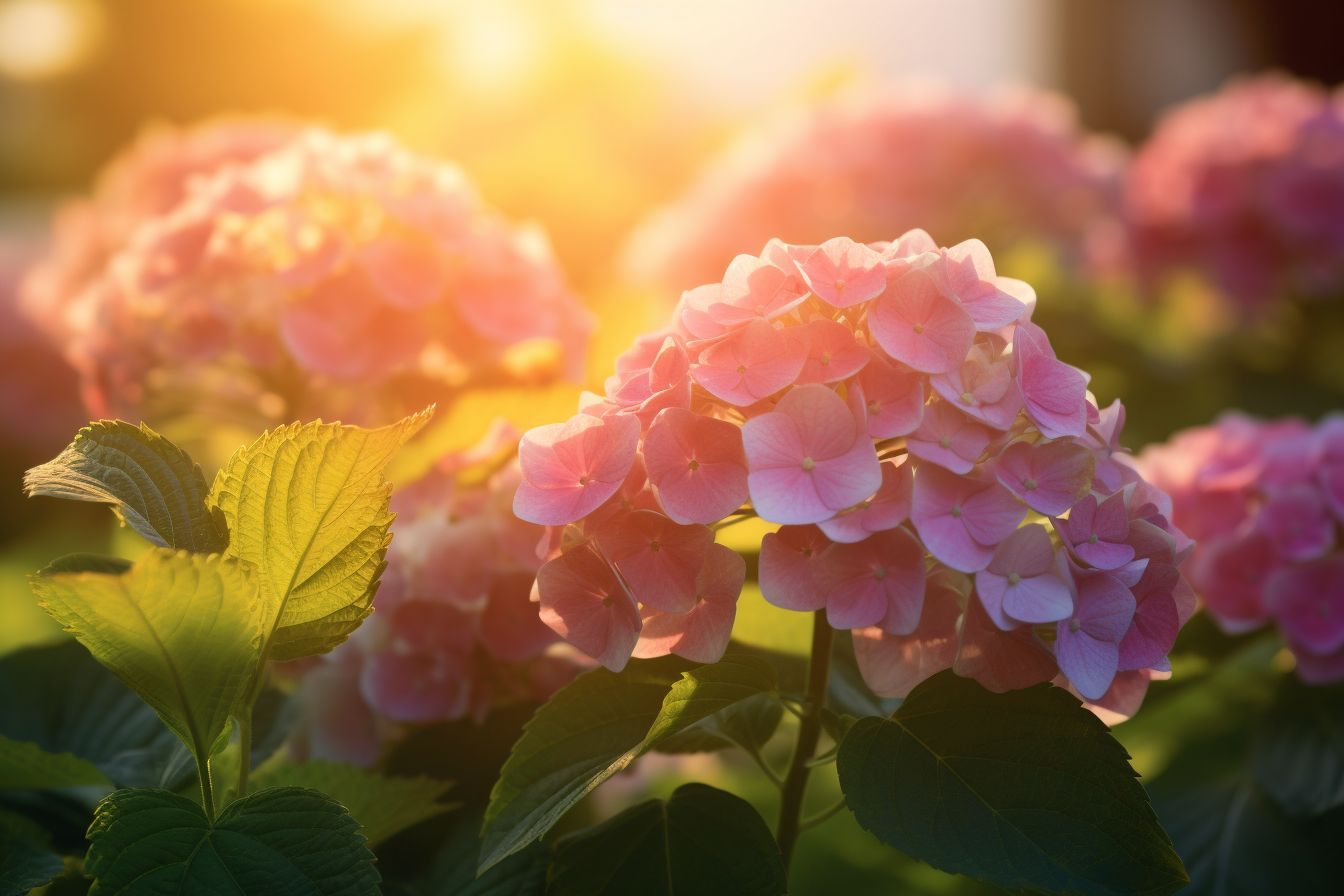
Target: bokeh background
pixel 586 116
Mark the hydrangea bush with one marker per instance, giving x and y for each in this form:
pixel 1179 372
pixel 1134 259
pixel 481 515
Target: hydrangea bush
pixel 1007 167
pixel 1247 187
pixel 455 633
pixel 284 271
pixel 1265 499
pixel 944 485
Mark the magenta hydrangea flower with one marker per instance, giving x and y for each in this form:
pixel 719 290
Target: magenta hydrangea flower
pixel 892 410
pixel 1245 186
pixel 455 632
pixel 1009 167
pixel 261 271
pixel 1258 497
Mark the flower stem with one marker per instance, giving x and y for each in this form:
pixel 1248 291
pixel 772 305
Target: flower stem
pixel 809 733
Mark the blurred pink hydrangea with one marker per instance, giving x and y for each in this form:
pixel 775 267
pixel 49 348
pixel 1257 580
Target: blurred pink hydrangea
pixel 945 485
pixel 1247 187
pixel 295 272
pixel 1266 501
pixel 1009 167
pixel 455 632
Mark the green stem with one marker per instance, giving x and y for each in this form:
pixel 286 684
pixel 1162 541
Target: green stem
pixel 809 733
pixel 244 751
pixel 207 786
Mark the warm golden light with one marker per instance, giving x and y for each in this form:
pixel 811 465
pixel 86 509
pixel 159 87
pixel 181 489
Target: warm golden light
pixel 44 38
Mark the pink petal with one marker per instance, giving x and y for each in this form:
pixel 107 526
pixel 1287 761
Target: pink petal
pixel 582 601
pixel 416 687
pixel 1038 600
pixel 569 469
pixel 408 271
pixel 787 567
pixel 939 516
pixel 658 559
pixel 1231 574
pixel 833 353
pixel 916 324
pixel 1104 608
pixel 949 438
pixel 1089 664
pixel 892 665
pixel 967 269
pixel 1308 602
pixel 1154 630
pixel 702 633
pixel 885 510
pixel 751 363
pixel 843 273
pixel 1298 523
pixel 1049 476
pixel 1000 661
pixel 754 289
pixel 992 514
pixel 877 580
pixel 894 398
pixel 1055 393
pixel 696 466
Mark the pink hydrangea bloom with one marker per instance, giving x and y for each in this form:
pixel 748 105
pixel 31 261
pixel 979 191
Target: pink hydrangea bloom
pixel 454 630
pixel 893 410
pixel 1258 497
pixel 267 272
pixel 1247 187
pixel 1009 167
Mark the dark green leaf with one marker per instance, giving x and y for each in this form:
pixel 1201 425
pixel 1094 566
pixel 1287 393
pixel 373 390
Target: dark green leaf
pixel 701 842
pixel 25 864
pixel 596 727
pixel 152 484
pixel 1298 752
pixel 45 695
pixel 748 724
pixel 454 868
pixel 587 732
pixel 276 842
pixel 113 566
pixel 1025 789
pixel 1235 840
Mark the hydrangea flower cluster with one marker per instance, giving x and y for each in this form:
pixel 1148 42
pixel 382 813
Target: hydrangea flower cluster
pixel 455 633
pixel 1007 167
pixel 1247 186
pixel 1266 501
pixel 945 486
pixel 297 272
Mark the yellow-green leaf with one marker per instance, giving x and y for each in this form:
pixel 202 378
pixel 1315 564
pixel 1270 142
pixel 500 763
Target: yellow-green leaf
pixel 383 805
pixel 308 508
pixel 25 765
pixel 182 630
pixel 153 485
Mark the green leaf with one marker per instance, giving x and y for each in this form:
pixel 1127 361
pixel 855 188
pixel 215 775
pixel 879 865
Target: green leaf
pixel 25 865
pixel 181 630
pixel 701 842
pixel 749 724
pixel 285 841
pixel 152 484
pixel 1234 839
pixel 382 805
pixel 1298 751
pixel 596 727
pixel 1025 789
pixel 454 867
pixel 26 766
pixel 308 508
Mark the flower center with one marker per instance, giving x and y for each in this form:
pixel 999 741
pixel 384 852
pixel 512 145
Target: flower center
pixel 655 546
pixel 1029 484
pixel 956 511
pixel 919 328
pixel 839 284
pixel 693 464
pixel 608 600
pixel 1014 578
pixel 583 480
pixel 879 572
pixel 807 552
pixel 826 359
pixel 945 442
pixel 1074 625
pixel 1092 539
pixel 741 369
pixel 809 464
pixel 874 407
pixel 967 398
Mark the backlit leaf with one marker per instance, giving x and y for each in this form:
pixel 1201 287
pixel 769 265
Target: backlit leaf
pixel 308 506
pixel 1025 789
pixel 181 630
pixel 383 805
pixel 152 484
pixel 25 864
pixel 25 765
pixel 283 841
